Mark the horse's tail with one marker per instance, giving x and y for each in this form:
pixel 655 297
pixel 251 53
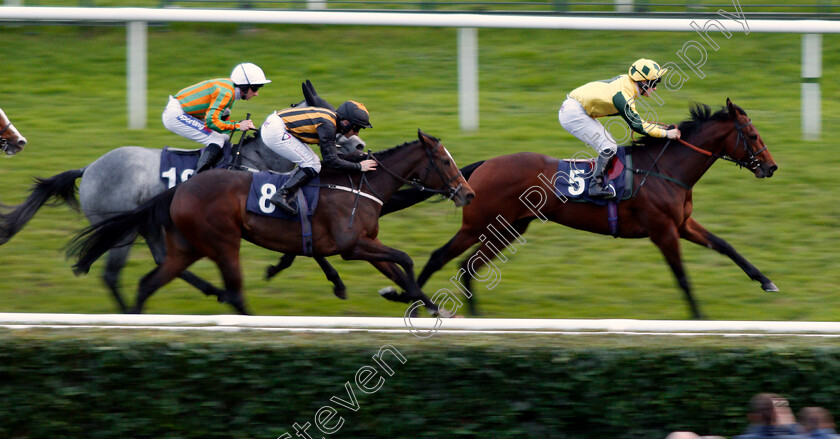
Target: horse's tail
pixel 409 197
pixel 61 187
pixel 93 241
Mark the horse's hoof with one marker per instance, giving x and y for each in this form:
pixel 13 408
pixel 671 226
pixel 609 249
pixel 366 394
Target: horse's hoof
pixel 770 287
pixel 270 272
pixel 340 293
pixel 389 293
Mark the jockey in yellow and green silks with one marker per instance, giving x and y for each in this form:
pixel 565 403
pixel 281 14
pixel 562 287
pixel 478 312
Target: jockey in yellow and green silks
pixel 611 97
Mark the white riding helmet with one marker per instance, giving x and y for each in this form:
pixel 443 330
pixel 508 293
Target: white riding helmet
pixel 248 74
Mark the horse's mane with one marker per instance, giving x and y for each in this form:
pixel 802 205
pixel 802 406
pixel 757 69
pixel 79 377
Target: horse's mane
pixel 700 115
pixel 390 151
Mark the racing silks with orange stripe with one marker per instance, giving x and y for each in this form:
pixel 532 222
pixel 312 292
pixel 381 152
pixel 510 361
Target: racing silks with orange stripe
pixel 315 125
pixel 207 100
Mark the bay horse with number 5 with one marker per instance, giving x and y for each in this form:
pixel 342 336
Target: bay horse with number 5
pixel 659 210
pixel 206 216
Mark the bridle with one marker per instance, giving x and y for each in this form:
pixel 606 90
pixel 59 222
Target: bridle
pixel 750 163
pixel 449 192
pixel 4 144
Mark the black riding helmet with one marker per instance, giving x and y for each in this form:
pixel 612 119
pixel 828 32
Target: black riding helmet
pixel 355 113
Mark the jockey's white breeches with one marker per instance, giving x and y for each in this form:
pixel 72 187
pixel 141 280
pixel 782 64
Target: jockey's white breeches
pixel 181 123
pixel 275 136
pixel 575 120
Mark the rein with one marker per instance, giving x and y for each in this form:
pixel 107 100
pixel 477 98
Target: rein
pixel 650 172
pixel 751 164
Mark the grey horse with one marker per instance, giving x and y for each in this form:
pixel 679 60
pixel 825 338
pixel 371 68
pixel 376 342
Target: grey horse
pixel 126 177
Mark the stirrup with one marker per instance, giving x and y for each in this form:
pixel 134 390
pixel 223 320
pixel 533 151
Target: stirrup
pixel 284 204
pixel 601 191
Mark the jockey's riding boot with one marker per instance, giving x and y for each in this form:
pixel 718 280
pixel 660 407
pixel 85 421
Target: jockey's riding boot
pixel 283 197
pixel 208 158
pixel 600 185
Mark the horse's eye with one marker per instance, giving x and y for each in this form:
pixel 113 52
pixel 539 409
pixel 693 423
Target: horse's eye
pixel 753 137
pixel 446 163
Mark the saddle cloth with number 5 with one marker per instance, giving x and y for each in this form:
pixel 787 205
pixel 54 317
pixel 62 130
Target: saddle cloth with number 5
pixel 574 177
pixel 265 184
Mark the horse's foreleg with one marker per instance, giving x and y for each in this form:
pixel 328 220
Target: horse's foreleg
pixel 372 250
pixel 339 289
pixel 667 238
pixel 395 273
pixel 284 263
pixel 694 232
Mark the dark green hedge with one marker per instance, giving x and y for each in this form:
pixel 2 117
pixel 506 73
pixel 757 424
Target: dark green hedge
pixel 255 385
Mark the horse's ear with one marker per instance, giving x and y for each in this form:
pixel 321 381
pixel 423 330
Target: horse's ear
pixel 733 114
pixel 421 135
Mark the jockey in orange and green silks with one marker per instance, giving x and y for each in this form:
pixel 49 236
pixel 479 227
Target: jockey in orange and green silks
pixel 200 112
pixel 208 101
pixel 611 97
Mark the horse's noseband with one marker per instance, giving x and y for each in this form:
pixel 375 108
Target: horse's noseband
pixel 753 156
pixel 4 144
pixel 448 193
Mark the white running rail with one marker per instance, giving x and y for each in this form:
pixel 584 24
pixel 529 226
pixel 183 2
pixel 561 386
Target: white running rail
pixel 398 324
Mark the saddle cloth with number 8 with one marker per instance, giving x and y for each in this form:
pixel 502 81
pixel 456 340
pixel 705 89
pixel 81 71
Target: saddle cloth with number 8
pixel 265 184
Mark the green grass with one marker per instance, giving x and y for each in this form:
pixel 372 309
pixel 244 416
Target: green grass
pixel 69 101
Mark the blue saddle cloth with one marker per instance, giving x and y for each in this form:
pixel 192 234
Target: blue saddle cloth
pixel 178 165
pixel 265 184
pixel 574 177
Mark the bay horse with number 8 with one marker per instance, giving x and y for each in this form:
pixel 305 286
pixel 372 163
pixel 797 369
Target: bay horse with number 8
pixel 206 217
pixel 660 208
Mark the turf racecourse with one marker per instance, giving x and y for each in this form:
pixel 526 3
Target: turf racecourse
pixel 69 101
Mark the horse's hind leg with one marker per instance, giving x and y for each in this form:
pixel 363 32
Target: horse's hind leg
pixel 117 258
pixel 155 242
pixel 489 249
pixel 461 242
pixel 667 238
pixel 229 265
pixel 692 231
pixel 174 264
